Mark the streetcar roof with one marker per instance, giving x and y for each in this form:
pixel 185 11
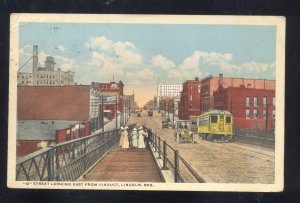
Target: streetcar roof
pixel 217 112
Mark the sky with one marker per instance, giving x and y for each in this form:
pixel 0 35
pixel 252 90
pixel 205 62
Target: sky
pixel 139 54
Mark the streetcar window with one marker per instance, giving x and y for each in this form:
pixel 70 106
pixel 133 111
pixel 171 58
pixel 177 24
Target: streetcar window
pixel 203 122
pixel 214 119
pixel 228 119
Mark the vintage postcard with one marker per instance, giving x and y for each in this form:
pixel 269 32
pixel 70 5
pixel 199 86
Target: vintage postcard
pixel 146 102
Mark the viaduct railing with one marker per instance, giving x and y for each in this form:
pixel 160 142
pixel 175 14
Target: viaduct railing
pixel 181 169
pixel 66 161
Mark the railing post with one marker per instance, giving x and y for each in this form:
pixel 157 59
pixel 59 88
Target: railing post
pixel 155 138
pixel 57 165
pixel 164 155
pixel 50 165
pixel 176 166
pixel 159 152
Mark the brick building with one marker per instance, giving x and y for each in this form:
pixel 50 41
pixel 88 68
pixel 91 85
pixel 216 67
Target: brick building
pixel 167 104
pixel 189 104
pixel 211 84
pixel 114 92
pixel 51 114
pixel 251 107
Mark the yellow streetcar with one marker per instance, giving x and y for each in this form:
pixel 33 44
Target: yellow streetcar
pixel 215 125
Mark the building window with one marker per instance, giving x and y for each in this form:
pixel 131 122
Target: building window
pixel 265 101
pixel 255 114
pixel 255 101
pixel 274 101
pixel 247 101
pixel 191 98
pixel 247 113
pixel 192 88
pixel 265 114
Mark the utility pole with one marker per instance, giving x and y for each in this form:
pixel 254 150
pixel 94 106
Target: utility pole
pixel 157 99
pixel 116 112
pixel 102 108
pixel 267 113
pixel 168 111
pixel 173 111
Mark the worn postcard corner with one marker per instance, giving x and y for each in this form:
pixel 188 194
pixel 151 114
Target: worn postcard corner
pixel 146 102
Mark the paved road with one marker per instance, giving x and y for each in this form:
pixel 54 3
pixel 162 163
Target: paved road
pixel 218 162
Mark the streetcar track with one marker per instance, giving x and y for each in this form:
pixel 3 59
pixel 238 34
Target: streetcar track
pixel 232 146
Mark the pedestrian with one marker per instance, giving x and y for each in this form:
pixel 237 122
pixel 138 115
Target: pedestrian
pixel 146 136
pixel 121 136
pixel 150 136
pixel 141 144
pixel 125 144
pixel 134 138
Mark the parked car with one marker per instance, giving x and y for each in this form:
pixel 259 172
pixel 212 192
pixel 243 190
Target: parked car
pixel 183 132
pixel 164 124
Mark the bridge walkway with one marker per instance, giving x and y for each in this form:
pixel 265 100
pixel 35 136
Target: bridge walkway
pixel 131 165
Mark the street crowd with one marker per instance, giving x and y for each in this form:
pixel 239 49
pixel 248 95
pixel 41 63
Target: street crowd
pixel 138 139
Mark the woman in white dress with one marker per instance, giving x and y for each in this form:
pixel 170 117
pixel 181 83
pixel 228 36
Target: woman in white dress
pixel 125 144
pixel 134 138
pixel 141 138
pixel 121 136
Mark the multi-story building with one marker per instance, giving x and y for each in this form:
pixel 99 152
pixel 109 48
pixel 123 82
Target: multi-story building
pixel 165 90
pixel 210 84
pixel 25 79
pixel 189 104
pixel 251 107
pixel 45 76
pixel 115 92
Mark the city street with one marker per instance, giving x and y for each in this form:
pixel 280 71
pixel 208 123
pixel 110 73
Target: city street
pixel 217 162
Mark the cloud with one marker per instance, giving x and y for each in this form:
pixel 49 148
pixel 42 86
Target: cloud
pixel 250 67
pixel 142 75
pixel 162 62
pixel 60 48
pixel 109 54
pixel 99 43
pixel 65 63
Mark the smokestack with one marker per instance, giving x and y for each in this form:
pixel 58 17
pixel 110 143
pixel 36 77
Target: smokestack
pixel 196 79
pixel 220 79
pixel 35 58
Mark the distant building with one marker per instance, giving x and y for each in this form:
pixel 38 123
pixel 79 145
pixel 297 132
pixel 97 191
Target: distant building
pixel 168 91
pixel 45 76
pixel 211 84
pixel 189 104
